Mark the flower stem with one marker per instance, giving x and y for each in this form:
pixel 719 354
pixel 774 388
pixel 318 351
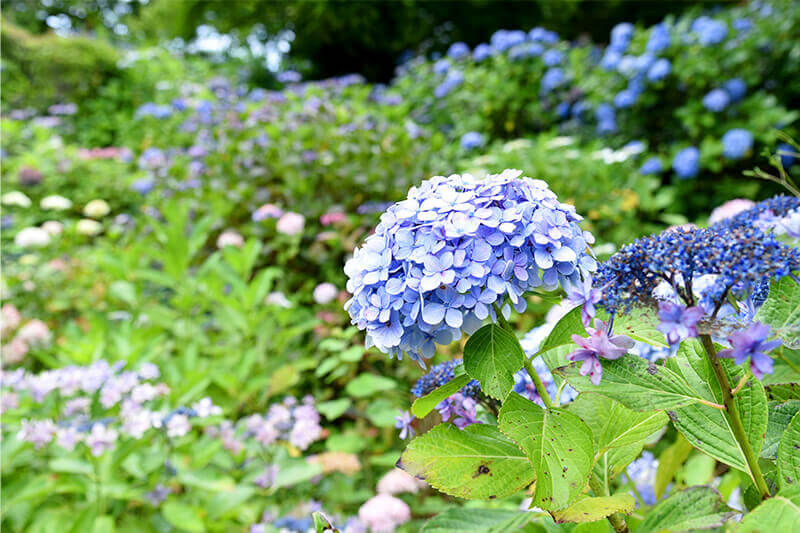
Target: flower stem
pixel 537 381
pixel 617 520
pixel 733 417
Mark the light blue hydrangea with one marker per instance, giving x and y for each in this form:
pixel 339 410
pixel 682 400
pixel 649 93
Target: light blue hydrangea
pixel 471 140
pixel 625 98
pixel 502 40
pixel 716 100
pixel 453 79
pixel 458 51
pixel 543 36
pixel 651 166
pixel 736 89
pixel 709 31
pixel 659 39
pixel 687 162
pixel 659 70
pixel 552 57
pixel 621 35
pixel 736 143
pixel 525 50
pixel 440 260
pixel 441 67
pixel 552 79
pixel 481 52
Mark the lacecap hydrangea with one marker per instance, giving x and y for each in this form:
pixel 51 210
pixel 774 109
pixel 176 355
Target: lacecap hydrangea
pixel 441 259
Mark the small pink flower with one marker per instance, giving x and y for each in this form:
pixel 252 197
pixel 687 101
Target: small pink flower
pixel 230 238
pixel 384 513
pixel 329 219
pixel 291 223
pixel 325 293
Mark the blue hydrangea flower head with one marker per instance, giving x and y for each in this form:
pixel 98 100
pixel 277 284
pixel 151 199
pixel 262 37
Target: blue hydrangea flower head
pixel 736 143
pixel 481 52
pixel 562 109
pixel 543 36
pixel 777 206
pixel 441 67
pixel 686 163
pixel 453 79
pixel 502 40
pixel 709 31
pixel 458 51
pixel 659 39
pixel 440 260
pixel 651 166
pixel 621 35
pixel 552 57
pixel 736 89
pixel 728 259
pixel 742 24
pixel 625 98
pixel 525 50
pixel 642 473
pixel 552 79
pixel 471 140
pixel 716 100
pixel 659 70
pixel 611 59
pixel 441 374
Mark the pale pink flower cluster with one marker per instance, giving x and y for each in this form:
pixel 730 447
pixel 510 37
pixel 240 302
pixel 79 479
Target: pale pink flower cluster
pixel 384 513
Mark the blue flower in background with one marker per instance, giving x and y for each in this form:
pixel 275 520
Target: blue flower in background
pixel 471 140
pixel 454 79
pixel 579 108
pixel 525 50
pixel 736 143
pixel 562 109
pixel 552 57
pixel 621 35
pixel 458 50
pixel 441 67
pixel 481 52
pixel 651 166
pixel 642 473
pixel 736 89
pixel 542 35
pixel 659 70
pixel 605 112
pixel 716 100
pixel 742 25
pixel 552 79
pixel 154 110
pixel 289 76
pixel 440 375
pixel 441 259
pixel 625 99
pixel 502 40
pixel 628 66
pixel 686 163
pixel 784 151
pixel 143 186
pixel 659 39
pixel 610 60
pixel 709 31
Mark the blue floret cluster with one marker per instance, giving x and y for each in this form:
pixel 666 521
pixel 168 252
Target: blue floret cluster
pixel 442 260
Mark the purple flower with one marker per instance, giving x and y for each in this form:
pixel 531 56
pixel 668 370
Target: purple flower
pixel 403 423
pixel 157 496
pixel 583 294
pixel 751 343
pixel 101 439
pixel 677 321
pixel 598 344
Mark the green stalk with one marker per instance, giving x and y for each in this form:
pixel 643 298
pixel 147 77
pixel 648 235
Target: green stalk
pixel 734 418
pixel 537 381
pixel 617 520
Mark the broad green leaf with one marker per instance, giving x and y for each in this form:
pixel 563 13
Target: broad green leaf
pixel 640 325
pixel 614 425
pixel 780 414
pixel 333 409
pixel 779 513
pixel 492 355
pixel 634 382
pixel 477 521
pixel 695 508
pixel 789 454
pixel 224 502
pixel 558 444
pixel 591 509
pixel 183 517
pixel 698 470
pixel 708 429
pixel 781 392
pixel 425 404
pixel 368 384
pixel 477 463
pixel 781 311
pixel 294 472
pixel 381 413
pixel 570 324
pixel 669 462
